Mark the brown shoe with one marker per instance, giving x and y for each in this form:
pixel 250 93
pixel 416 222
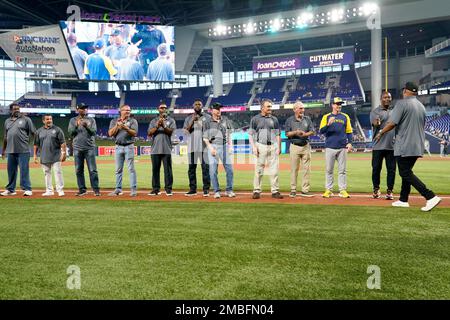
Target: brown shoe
pixel 277 195
pixel 256 195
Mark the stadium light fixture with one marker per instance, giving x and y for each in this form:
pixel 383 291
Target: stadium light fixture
pixel 337 15
pixel 276 25
pixel 305 18
pixel 308 17
pixel 250 28
pixel 222 30
pixel 368 8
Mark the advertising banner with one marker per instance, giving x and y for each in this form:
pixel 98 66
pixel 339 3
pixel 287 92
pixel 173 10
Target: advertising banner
pixel 327 58
pixel 45 110
pixel 39 46
pixel 276 64
pixel 305 104
pixel 145 150
pixel 110 151
pixel 242 149
pixel 305 60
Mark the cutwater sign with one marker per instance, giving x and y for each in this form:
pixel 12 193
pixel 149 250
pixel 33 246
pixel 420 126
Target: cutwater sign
pixel 328 59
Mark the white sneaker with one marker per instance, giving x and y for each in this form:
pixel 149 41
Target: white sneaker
pixel 231 194
pixel 48 194
pixel 61 194
pixel 28 193
pixel 433 202
pixel 400 204
pixel 8 193
pixel 217 195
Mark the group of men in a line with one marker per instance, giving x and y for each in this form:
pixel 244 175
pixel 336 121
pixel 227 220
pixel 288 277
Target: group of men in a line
pixel 209 142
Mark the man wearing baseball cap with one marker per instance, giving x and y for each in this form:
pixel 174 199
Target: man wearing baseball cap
pixel 118 49
pixel 98 66
pixel 408 119
pixel 83 130
pixel 338 131
pixel 216 135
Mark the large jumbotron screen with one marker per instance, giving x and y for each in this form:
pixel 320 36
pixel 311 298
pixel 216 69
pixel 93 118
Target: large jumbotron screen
pixel 125 52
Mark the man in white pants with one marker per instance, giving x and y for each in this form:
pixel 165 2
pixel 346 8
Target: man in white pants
pixel 264 136
pixel 50 142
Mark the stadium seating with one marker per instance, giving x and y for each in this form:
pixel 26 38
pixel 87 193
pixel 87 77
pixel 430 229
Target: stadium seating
pixel 272 90
pixel 188 95
pixel 364 120
pixel 438 126
pixel 147 99
pixel 441 85
pixel 44 103
pixel 99 100
pixel 348 88
pixel 239 95
pixel 309 88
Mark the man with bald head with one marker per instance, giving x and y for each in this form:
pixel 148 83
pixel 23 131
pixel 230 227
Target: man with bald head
pixel 384 148
pixel 130 68
pixel 161 69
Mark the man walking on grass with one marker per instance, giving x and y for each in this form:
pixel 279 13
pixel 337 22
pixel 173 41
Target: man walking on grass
pixel 408 119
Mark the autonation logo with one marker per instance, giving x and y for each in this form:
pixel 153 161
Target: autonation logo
pixel 277 65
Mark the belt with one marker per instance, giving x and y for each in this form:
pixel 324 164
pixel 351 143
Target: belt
pixel 124 144
pixel 300 145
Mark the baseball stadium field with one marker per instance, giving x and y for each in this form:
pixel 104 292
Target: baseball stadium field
pixel 196 248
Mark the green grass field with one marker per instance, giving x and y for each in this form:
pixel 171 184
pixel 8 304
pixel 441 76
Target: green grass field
pixel 182 250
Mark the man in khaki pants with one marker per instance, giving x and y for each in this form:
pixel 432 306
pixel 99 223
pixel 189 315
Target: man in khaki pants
pixel 264 136
pixel 298 129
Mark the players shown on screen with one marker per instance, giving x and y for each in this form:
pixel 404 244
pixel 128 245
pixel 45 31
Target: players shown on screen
pixel 106 51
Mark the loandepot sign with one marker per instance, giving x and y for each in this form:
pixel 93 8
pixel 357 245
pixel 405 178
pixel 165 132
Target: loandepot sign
pixel 305 60
pixel 276 64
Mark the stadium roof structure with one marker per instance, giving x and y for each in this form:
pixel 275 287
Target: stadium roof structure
pixel 15 14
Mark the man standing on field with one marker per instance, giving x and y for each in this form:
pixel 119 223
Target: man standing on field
pixel 50 142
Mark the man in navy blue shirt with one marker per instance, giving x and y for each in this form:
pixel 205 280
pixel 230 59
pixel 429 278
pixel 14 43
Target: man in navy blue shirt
pixel 338 131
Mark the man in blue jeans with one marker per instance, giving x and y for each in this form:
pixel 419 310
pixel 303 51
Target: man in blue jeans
pixel 124 130
pixel 83 129
pixel 18 129
pixel 216 135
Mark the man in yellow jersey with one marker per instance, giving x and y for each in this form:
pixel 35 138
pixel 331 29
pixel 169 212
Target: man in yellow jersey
pixel 338 131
